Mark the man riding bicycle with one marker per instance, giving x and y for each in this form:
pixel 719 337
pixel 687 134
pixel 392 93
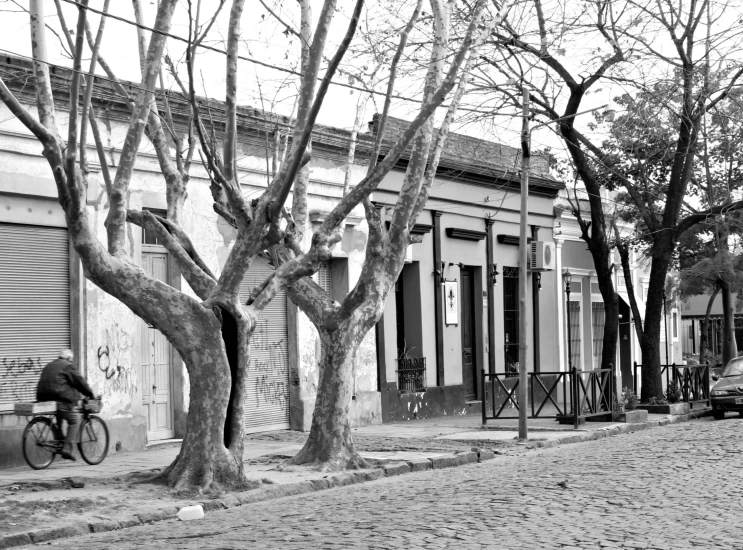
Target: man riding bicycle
pixel 61 382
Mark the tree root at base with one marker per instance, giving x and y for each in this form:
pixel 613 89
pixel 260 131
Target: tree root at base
pixel 323 461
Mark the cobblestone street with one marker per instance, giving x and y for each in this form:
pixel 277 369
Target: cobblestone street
pixel 674 487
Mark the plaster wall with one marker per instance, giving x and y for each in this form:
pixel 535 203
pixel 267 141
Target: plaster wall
pixel 576 254
pixel 472 199
pixel 463 206
pixel 469 253
pixel 366 406
pixel 111 332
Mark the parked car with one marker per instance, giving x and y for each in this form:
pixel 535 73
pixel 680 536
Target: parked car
pixel 727 393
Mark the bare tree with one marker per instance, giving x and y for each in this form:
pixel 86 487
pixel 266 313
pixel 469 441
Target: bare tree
pixel 529 50
pixel 211 332
pixel 342 326
pixel 632 31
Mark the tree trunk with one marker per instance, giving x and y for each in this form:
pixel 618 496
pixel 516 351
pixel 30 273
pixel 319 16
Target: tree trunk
pixel 704 328
pixel 611 310
pixel 596 239
pixel 729 345
pixel 210 458
pixel 330 445
pixel 652 385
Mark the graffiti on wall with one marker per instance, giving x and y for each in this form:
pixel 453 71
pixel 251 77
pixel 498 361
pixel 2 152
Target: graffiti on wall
pixel 271 391
pixel 16 374
pixel 114 360
pixel 268 364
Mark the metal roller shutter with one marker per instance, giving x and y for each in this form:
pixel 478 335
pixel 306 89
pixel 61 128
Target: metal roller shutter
pixel 267 396
pixel 34 306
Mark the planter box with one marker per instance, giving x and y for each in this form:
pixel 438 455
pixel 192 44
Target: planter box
pixel 636 416
pixel 671 408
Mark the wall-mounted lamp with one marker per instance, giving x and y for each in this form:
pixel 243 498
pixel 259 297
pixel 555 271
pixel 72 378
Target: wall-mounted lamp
pixel 539 281
pixel 494 275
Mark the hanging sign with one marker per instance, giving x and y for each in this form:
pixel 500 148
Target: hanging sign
pixel 451 302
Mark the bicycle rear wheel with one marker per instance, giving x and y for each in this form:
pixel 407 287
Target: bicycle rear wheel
pixel 39 443
pixel 93 443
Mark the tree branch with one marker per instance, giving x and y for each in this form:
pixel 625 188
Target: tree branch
pixel 286 176
pixel 90 82
pixel 116 220
pixel 624 257
pixel 198 275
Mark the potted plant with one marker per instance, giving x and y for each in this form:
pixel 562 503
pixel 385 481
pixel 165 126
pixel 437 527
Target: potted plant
pixel 671 404
pixel 625 409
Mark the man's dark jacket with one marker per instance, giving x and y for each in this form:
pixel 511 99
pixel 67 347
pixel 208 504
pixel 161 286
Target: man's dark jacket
pixel 60 381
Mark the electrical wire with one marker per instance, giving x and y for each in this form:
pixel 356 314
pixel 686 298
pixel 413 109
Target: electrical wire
pixel 241 57
pixel 267 65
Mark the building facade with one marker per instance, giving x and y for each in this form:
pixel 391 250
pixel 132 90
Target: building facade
pixel 46 304
pixel 454 312
pixel 693 312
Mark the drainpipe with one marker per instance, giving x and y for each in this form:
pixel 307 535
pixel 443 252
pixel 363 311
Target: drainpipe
pixel 489 242
pixel 438 279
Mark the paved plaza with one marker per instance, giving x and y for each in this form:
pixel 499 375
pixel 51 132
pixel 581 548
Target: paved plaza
pixel 674 487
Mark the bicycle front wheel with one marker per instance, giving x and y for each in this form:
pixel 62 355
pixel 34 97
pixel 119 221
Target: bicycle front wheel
pixel 39 443
pixel 93 443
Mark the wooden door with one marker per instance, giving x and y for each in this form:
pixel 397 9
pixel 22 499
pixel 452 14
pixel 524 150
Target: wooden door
pixel 156 364
pixel 469 360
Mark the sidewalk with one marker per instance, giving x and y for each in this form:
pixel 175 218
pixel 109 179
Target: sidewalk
pixel 37 506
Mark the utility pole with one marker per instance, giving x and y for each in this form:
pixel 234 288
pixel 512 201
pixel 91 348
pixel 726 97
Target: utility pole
pixel 523 248
pixel 523 325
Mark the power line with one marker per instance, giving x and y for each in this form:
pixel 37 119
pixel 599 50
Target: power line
pixel 242 57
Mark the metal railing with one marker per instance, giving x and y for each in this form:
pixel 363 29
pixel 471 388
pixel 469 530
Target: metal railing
pixel 411 376
pixel 550 394
pixel 692 380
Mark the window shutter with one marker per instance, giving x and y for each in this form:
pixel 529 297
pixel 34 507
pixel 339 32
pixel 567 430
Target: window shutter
pixel 34 306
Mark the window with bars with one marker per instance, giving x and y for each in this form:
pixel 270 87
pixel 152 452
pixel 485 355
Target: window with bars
pixel 598 320
pixel 511 319
pixel 574 333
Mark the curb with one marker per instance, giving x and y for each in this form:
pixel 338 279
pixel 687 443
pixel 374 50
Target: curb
pixel 303 487
pixel 259 495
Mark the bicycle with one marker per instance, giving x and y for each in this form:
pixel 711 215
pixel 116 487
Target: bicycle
pixel 43 437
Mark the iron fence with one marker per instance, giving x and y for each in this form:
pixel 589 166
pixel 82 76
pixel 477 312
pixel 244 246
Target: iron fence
pixel 411 376
pixel 692 380
pixel 550 394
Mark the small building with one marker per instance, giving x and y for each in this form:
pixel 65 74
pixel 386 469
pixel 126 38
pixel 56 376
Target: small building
pixel 46 304
pixel 693 313
pixel 587 313
pixel 455 308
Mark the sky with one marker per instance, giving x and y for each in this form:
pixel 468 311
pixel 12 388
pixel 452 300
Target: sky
pixel 267 40
pixel 263 39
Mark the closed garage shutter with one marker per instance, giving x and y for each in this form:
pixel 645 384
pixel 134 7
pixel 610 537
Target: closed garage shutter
pixel 34 306
pixel 267 395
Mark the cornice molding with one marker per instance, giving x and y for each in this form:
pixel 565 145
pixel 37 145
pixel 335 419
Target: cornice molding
pixel 465 234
